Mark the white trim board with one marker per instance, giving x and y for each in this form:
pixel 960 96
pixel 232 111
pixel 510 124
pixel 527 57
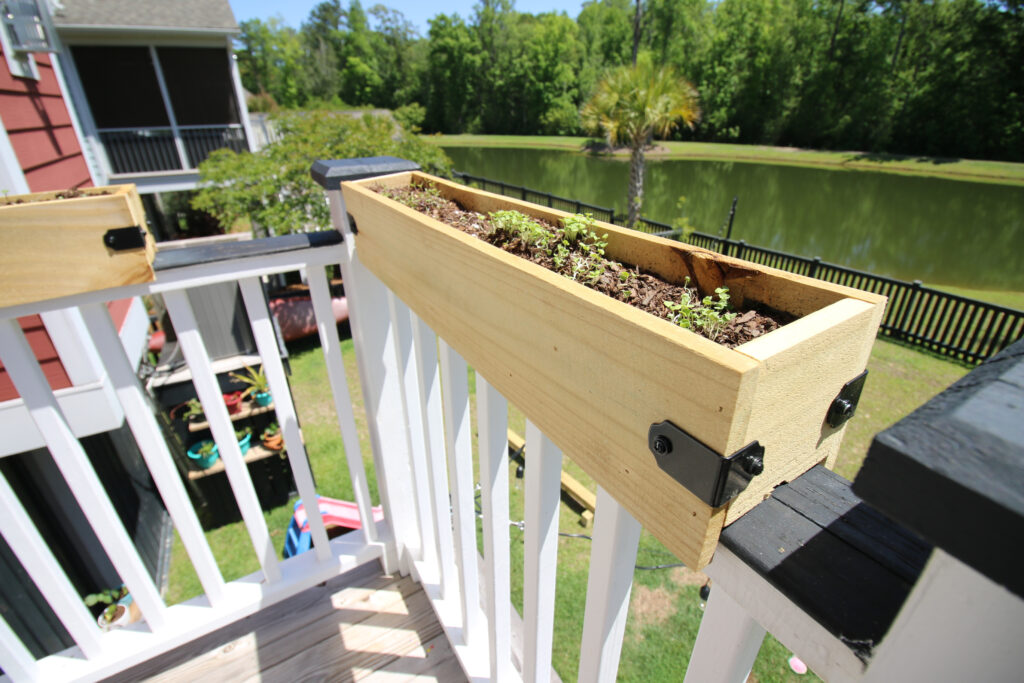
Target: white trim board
pixel 90 409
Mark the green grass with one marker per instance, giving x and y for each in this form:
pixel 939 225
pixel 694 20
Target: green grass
pixel 665 607
pixel 1000 172
pixel 1009 299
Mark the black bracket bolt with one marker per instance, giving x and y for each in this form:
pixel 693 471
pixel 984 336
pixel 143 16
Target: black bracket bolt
pixel 662 445
pixel 752 463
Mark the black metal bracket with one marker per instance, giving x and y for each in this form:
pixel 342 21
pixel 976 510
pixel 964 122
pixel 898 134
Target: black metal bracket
pixel 122 239
pixel 713 478
pixel 844 406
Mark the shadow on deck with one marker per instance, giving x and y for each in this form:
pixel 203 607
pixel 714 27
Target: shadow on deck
pixel 362 625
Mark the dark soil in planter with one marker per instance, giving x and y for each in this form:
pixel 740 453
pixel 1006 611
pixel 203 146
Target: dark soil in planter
pixel 620 281
pixel 63 194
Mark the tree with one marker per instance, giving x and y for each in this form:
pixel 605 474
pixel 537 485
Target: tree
pixel 634 103
pixel 273 187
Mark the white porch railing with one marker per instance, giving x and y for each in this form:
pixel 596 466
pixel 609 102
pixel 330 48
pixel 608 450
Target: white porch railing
pixel 98 654
pixel 418 409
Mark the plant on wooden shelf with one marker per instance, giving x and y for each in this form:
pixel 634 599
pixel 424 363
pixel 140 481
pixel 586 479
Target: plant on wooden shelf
pixel 233 401
pixel 574 328
pixel 272 438
pixel 204 453
pixel 193 410
pixel 256 385
pixel 117 612
pixel 244 436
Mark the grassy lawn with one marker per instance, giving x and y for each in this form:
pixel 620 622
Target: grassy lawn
pixel 1006 173
pixel 665 608
pixel 1008 299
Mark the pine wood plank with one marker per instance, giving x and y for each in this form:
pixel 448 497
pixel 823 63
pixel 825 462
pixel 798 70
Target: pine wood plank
pixel 594 373
pixel 350 628
pixel 55 248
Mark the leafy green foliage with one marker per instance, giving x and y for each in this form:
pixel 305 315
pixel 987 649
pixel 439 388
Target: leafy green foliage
pixel 109 597
pixel 515 224
pixel 255 381
pixel 634 103
pixel 706 316
pixel 273 187
pixel 939 78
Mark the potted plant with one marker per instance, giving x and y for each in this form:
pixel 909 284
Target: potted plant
pixel 118 610
pixel 599 376
pixel 193 410
pixel 244 436
pixel 272 438
pixel 83 234
pixel 233 401
pixel 204 453
pixel 256 385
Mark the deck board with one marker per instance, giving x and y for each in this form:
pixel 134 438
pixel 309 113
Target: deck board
pixel 361 626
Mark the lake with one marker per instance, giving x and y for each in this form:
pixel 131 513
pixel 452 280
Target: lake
pixel 943 232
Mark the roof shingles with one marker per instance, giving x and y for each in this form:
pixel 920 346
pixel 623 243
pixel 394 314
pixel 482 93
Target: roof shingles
pixel 212 15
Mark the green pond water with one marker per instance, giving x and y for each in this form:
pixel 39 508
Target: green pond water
pixel 943 232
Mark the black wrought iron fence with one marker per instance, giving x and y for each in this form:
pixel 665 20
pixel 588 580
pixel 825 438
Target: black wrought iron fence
pixel 966 329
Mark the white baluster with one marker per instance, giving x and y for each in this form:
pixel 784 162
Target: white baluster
pixel 542 495
pixel 209 392
pixel 492 421
pixel 35 556
pixel 429 388
pixel 727 643
pixel 74 465
pixel 459 446
pixel 612 559
pixel 154 449
pixel 15 659
pixel 266 344
pixel 342 394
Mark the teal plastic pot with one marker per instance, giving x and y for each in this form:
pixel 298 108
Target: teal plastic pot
pixel 205 461
pixel 243 443
pixel 263 398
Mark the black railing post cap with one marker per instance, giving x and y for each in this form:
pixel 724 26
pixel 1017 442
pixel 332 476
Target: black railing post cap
pixel 330 174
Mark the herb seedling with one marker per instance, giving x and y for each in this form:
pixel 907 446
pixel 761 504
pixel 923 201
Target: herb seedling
pixel 705 316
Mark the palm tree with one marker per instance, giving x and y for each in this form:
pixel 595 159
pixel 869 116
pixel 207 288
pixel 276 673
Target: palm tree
pixel 632 104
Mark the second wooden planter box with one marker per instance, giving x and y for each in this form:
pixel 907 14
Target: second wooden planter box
pixel 651 411
pixel 56 246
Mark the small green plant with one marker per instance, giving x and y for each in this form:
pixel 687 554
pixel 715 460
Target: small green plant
pixel 422 197
pixel 516 224
pixel 192 409
pixel 243 432
pixel 271 430
pixel 109 597
pixel 706 316
pixel 255 381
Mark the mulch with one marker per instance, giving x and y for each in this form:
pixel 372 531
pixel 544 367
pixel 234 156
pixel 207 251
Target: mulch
pixel 641 289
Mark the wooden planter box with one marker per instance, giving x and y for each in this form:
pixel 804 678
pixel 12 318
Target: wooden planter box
pixel 56 247
pixel 595 374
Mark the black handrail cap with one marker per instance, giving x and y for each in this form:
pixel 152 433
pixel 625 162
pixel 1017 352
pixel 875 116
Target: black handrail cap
pixel 330 174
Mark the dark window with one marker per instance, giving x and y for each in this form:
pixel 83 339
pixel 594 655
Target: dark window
pixel 121 86
pixel 199 84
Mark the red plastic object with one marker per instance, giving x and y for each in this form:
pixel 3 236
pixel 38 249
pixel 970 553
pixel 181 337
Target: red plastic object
pixel 233 401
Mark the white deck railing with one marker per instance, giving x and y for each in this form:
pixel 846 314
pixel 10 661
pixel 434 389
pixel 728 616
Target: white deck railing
pixel 164 627
pixel 418 409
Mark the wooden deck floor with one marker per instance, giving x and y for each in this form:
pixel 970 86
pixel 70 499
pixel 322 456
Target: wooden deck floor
pixel 359 626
